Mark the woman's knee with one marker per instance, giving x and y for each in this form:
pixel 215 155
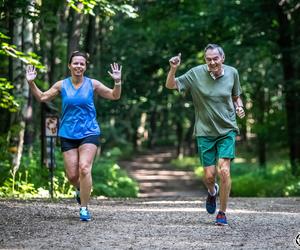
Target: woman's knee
pixel 73 177
pixel 84 168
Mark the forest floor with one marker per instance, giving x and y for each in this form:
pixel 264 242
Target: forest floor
pixel 169 214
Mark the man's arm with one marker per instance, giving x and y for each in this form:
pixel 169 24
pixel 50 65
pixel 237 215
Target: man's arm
pixel 171 82
pixel 174 63
pixel 239 107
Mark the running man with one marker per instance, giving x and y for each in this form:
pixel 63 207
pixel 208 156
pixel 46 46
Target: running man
pixel 215 90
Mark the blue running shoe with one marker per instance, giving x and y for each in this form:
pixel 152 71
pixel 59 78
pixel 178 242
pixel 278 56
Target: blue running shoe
pixel 84 214
pixel 221 219
pixel 211 204
pixel 77 196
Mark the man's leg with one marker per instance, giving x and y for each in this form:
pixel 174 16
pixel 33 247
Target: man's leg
pixel 87 153
pixel 207 154
pixel 225 182
pixel 210 178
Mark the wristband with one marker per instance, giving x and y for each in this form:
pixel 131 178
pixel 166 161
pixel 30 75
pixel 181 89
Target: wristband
pixel 118 83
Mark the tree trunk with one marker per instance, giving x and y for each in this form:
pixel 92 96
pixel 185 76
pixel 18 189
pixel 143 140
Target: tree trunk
pixel 74 32
pixel 28 108
pixel 261 141
pixel 153 127
pixel 190 141
pixel 90 39
pixel 21 91
pixel 179 133
pixel 291 93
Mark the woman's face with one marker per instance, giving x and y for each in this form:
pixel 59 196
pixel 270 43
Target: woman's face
pixel 77 66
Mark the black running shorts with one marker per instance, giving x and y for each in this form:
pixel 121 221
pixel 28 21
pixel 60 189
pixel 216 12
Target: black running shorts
pixel 67 144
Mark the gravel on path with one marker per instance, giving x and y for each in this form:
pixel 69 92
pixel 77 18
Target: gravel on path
pixel 177 223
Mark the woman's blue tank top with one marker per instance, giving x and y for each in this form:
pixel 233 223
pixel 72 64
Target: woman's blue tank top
pixel 78 118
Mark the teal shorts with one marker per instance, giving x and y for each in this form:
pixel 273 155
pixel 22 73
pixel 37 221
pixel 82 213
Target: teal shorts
pixel 212 148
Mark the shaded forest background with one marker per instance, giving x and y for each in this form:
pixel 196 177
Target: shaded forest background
pixel 260 38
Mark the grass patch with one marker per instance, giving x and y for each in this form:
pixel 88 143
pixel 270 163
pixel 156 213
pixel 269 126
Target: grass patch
pixel 32 180
pixel 249 180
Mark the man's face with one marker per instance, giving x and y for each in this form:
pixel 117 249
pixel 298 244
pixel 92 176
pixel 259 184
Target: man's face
pixel 214 60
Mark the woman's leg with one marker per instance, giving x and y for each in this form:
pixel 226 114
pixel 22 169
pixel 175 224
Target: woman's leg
pixel 71 166
pixel 87 153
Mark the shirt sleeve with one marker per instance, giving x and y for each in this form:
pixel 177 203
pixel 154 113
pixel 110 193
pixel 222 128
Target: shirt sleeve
pixel 184 81
pixel 236 90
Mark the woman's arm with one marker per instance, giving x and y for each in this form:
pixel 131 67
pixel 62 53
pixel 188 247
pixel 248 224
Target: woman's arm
pixel 111 94
pixel 105 92
pixel 40 95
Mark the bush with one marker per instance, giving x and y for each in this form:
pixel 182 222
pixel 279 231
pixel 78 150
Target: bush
pixel 248 180
pixel 32 180
pixel 111 181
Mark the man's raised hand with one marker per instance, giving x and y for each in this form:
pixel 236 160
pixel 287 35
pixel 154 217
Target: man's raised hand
pixel 175 61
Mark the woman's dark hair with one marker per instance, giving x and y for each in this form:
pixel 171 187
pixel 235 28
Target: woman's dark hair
pixel 78 53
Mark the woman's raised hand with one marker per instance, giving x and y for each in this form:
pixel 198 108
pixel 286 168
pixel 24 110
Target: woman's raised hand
pixel 116 73
pixel 30 73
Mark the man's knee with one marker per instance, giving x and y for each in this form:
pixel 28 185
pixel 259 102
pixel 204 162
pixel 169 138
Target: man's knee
pixel 224 173
pixel 224 168
pixel 210 174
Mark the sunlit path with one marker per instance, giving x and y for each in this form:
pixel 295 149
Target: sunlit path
pixel 157 178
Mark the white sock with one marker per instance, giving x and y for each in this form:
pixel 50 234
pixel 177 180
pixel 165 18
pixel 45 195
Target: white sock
pixel 84 208
pixel 215 192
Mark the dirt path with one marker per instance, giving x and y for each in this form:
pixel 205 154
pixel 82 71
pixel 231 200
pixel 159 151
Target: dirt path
pixel 157 178
pixel 149 224
pixel 173 218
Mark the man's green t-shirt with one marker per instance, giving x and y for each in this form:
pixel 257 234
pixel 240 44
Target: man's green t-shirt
pixel 214 109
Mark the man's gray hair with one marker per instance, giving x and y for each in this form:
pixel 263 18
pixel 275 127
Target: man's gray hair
pixel 214 46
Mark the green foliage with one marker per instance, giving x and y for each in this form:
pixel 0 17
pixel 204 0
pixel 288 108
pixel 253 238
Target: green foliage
pixel 186 163
pixel 293 189
pixel 275 181
pixel 110 180
pixel 248 180
pixel 7 100
pixel 32 180
pixel 109 8
pixel 10 50
pixel 19 187
pixel 5 157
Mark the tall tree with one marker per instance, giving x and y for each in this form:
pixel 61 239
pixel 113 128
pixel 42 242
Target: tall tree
pixel 289 38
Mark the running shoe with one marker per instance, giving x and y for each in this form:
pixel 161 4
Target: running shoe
pixel 211 203
pixel 221 219
pixel 77 196
pixel 84 214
